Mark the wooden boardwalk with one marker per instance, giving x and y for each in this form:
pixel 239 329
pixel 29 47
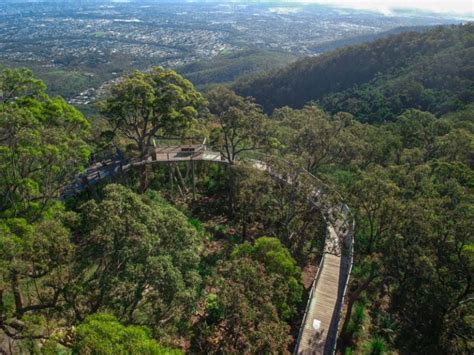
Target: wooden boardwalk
pixel 107 168
pixel 319 329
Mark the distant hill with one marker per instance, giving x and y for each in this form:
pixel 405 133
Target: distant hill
pixel 432 70
pixel 228 67
pixel 245 64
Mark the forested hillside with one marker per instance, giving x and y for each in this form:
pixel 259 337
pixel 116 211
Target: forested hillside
pixel 431 71
pixel 226 68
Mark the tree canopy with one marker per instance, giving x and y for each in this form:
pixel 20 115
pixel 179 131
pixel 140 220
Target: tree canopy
pixel 143 106
pixel 103 334
pixel 139 243
pixel 42 145
pixel 429 70
pixel 243 127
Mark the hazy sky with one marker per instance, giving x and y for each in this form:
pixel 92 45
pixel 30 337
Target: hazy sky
pixel 465 7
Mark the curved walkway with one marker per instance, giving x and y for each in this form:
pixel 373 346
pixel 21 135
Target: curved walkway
pixel 319 329
pixel 107 168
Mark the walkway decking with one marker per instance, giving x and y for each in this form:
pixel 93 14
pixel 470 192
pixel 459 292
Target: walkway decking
pixel 107 168
pixel 319 329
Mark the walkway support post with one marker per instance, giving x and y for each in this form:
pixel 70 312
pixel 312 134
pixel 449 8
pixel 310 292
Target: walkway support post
pixel 194 180
pixel 170 169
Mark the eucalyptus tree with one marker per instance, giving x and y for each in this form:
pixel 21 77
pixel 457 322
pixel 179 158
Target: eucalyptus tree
pixel 242 312
pixel 242 125
pixel 42 146
pixel 145 105
pixel 277 260
pixel 138 257
pixel 312 135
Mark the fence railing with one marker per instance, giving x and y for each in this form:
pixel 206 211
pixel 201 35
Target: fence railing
pixel 336 213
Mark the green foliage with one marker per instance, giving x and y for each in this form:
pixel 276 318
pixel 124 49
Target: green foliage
pixel 277 260
pixel 214 308
pixel 242 126
pixel 375 346
pixel 145 105
pixel 140 243
pixel 310 135
pixel 41 145
pixel 411 210
pixel 409 181
pixel 263 206
pixel 103 334
pixel 245 298
pixel 409 184
pixel 251 196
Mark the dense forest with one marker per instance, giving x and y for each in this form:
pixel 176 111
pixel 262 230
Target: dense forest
pixel 142 264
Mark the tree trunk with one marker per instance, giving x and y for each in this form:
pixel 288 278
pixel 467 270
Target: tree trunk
pixel 143 178
pixel 342 341
pixel 143 168
pixel 16 294
pixel 180 178
pixel 231 191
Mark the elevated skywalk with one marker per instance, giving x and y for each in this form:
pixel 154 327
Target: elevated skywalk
pixel 319 329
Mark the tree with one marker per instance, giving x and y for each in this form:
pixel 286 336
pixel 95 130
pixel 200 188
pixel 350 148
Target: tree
pixel 422 252
pixel 420 130
pixel 242 123
pixel 145 105
pixel 377 207
pixel 312 135
pixel 277 260
pixel 430 259
pixel 247 297
pixel 458 145
pixel 253 196
pixel 138 257
pixel 103 334
pixel 42 146
pixel 34 261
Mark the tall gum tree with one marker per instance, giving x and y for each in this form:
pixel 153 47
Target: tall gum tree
pixel 242 123
pixel 42 146
pixel 137 256
pixel 144 105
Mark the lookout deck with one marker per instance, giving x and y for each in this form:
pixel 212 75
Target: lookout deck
pixel 110 167
pixel 184 153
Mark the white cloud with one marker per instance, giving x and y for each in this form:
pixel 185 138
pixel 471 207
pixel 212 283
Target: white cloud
pixel 460 7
